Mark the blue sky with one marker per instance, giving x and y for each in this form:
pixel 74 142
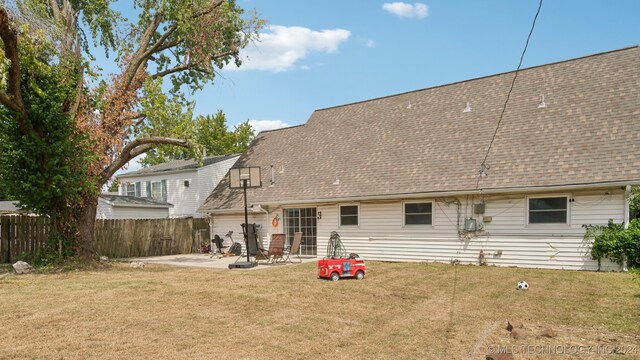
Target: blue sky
pixel 318 54
pixel 345 51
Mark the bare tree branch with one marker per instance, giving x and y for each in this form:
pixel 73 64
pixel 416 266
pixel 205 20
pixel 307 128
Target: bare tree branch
pixel 173 70
pixel 216 4
pixel 55 9
pixel 193 66
pixel 168 45
pixel 142 54
pixel 135 148
pixel 138 56
pixel 155 47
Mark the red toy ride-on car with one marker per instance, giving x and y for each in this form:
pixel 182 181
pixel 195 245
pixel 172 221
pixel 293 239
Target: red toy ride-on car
pixel 337 265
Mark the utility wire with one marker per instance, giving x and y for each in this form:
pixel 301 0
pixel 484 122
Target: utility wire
pixel 483 165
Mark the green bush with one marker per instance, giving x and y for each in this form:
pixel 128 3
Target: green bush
pixel 615 243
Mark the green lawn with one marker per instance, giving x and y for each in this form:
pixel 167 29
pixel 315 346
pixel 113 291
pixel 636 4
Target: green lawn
pixel 400 310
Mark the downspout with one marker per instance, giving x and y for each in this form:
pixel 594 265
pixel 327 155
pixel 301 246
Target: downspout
pixel 625 223
pixel 211 228
pixel 268 223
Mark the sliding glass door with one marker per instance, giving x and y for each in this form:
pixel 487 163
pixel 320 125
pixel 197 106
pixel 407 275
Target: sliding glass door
pixel 304 220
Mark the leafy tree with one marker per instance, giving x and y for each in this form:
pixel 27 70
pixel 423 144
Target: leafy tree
pixel 114 186
pixel 66 128
pixel 211 136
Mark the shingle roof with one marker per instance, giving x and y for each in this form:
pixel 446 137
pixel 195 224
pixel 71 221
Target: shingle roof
pixel 422 141
pixel 177 165
pixel 121 200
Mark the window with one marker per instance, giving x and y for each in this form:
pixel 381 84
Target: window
pixel 418 213
pixel 156 190
pixel 131 189
pixel 349 215
pixel 548 210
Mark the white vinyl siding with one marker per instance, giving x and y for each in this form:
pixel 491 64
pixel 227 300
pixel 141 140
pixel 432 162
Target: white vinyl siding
pixel 209 177
pixel 107 211
pixel 221 225
pixel 507 240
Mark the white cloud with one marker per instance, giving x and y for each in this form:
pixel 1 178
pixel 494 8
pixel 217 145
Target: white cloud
pixel 370 43
pixel 402 9
pixel 262 125
pixel 280 47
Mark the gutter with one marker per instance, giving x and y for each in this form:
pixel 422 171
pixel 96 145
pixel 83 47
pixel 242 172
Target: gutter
pixel 111 203
pixel 144 206
pixel 439 194
pixel 160 172
pixel 625 223
pixel 627 203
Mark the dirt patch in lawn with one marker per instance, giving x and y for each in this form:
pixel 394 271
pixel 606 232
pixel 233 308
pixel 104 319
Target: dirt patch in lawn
pixel 400 310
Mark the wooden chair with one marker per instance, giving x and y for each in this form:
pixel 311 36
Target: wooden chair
pixel 276 249
pixel 294 249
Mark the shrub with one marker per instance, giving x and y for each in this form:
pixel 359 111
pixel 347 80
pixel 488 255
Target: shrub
pixel 615 243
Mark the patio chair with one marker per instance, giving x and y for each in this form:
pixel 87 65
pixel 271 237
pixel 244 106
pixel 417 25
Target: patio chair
pixel 294 249
pixel 276 249
pixel 252 247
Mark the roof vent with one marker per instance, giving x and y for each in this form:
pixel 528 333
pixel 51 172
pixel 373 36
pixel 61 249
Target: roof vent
pixel 467 108
pixel 408 105
pixel 337 181
pixel 273 176
pixel 281 169
pixel 542 104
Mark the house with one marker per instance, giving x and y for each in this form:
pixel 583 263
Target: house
pixel 176 188
pixel 398 177
pixel 112 206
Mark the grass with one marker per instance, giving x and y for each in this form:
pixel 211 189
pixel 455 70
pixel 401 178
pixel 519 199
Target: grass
pixel 400 310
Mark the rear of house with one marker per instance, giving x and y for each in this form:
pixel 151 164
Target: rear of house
pixel 399 177
pixel 432 228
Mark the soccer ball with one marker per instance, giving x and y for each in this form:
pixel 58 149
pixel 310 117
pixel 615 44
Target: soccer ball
pixel 522 285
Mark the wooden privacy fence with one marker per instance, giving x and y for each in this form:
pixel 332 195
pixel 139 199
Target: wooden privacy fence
pixel 22 235
pixel 149 237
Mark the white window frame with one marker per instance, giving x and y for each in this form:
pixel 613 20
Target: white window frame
pixel 159 182
pixel 564 224
pixel 340 206
pixel 433 212
pixel 127 189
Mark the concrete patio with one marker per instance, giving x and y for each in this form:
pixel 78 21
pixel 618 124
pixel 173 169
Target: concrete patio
pixel 206 261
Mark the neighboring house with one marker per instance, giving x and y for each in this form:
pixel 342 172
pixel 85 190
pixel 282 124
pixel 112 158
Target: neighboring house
pixel 110 207
pixel 182 183
pixel 131 207
pixel 397 177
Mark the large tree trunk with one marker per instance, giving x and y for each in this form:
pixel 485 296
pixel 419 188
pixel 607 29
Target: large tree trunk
pixel 86 226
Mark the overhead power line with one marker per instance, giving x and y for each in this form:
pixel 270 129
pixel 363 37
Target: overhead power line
pixel 483 164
